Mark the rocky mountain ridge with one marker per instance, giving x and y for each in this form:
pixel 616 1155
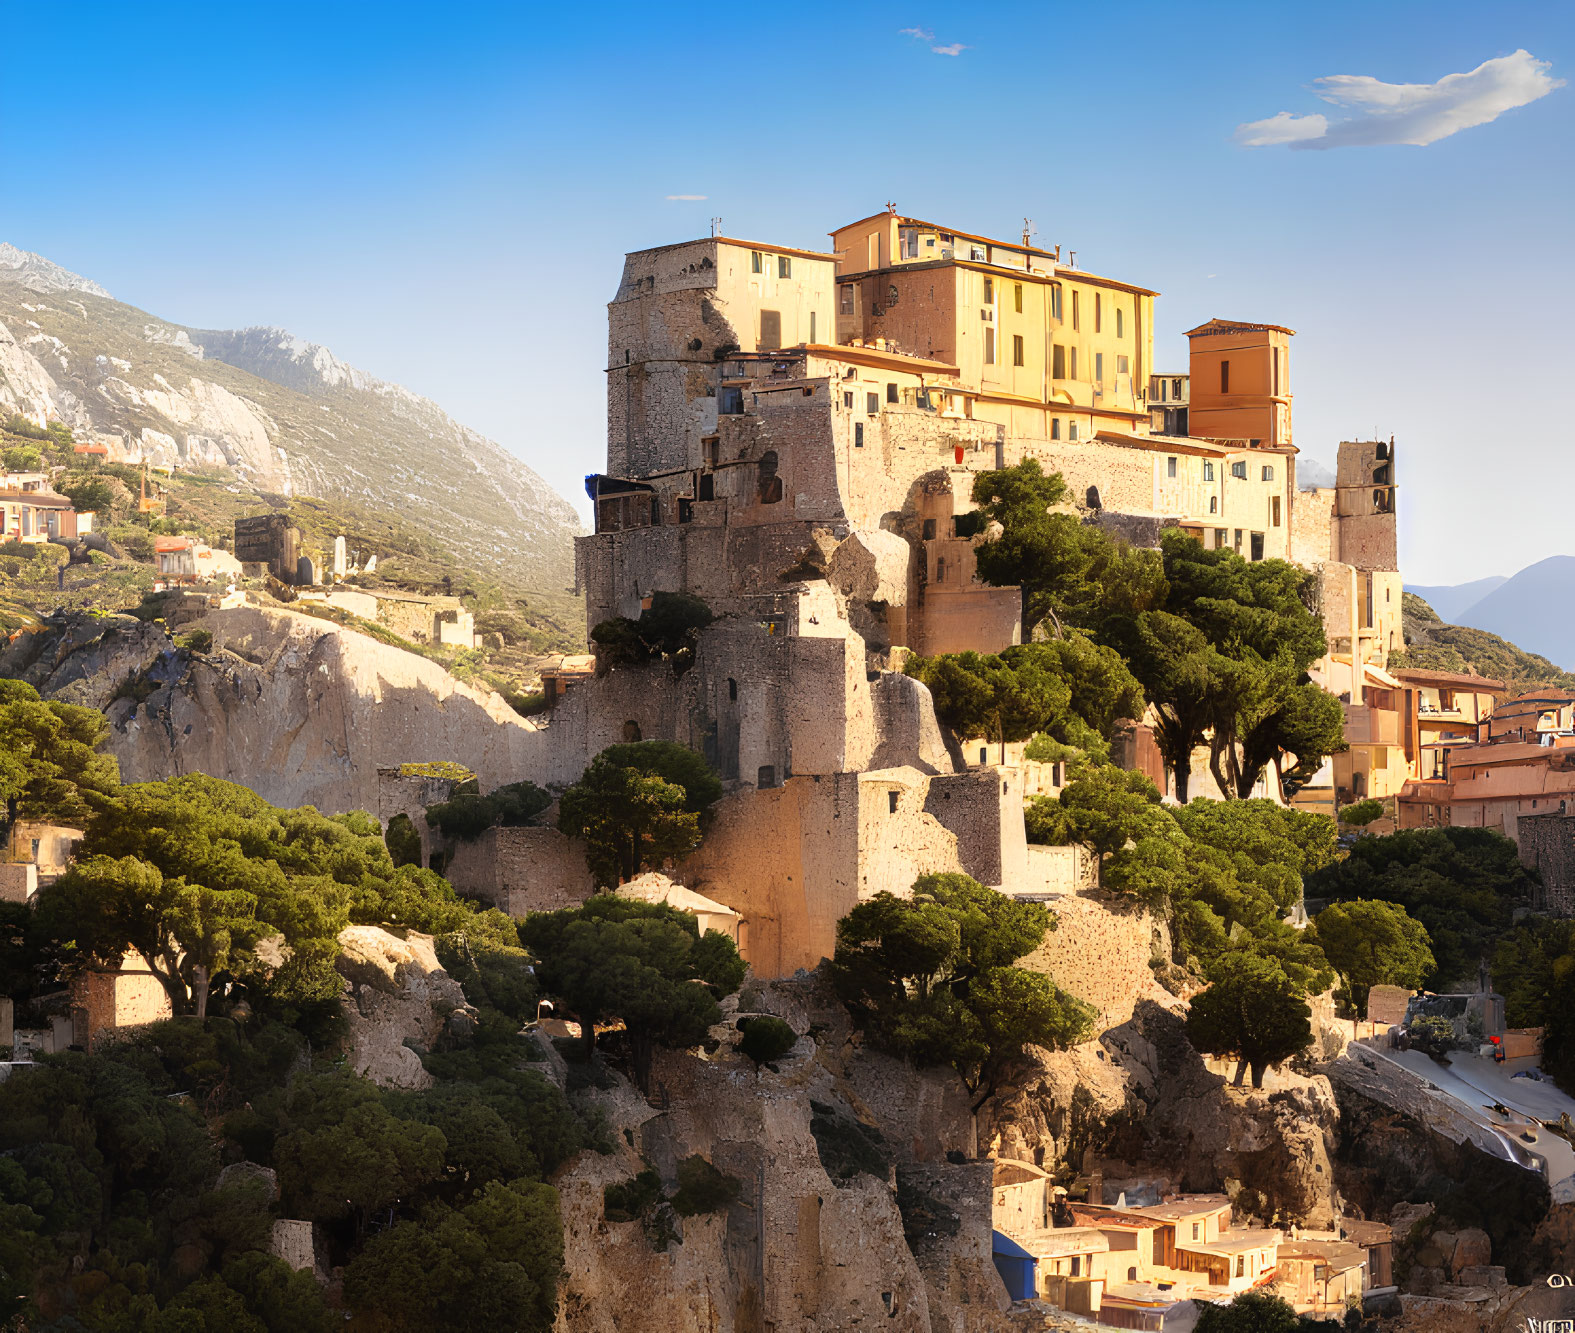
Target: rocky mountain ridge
pixel 279 413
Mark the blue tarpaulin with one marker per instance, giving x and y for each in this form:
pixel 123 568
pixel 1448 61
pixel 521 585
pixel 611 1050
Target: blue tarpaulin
pixel 1018 1268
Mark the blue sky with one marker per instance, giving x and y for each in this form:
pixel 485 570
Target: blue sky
pixel 443 193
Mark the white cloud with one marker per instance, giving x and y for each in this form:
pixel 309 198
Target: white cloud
pixel 926 35
pixel 1283 128
pixel 1407 113
pixel 688 196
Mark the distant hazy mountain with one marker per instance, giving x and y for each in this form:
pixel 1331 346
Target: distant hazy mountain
pixel 1532 609
pixel 1452 600
pixel 283 415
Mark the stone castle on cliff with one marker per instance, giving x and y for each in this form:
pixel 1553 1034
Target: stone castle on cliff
pixel 793 437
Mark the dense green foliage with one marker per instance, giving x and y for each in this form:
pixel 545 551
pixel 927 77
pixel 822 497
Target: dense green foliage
pixel 1254 1014
pixel 112 1206
pixel 1259 1312
pixel 1219 645
pixel 765 1039
pixel 1462 884
pixel 1362 813
pixel 49 760
pixel 637 806
pixel 1070 689
pixel 1226 872
pixel 196 873
pixel 932 978
pixel 1373 944
pixel 670 627
pixel 1534 969
pixel 617 958
pixel 468 814
pixel 113 1213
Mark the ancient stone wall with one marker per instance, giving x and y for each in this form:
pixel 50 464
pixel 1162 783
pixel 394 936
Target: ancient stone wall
pixel 1312 527
pixel 109 1001
pixel 983 809
pixel 521 870
pixel 1100 952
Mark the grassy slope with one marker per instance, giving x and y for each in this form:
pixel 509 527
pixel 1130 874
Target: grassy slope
pixel 1433 645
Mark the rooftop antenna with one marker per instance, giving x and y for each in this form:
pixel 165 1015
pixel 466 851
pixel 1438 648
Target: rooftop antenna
pixel 1028 232
pixel 891 208
pixel 1071 258
pixel 716 226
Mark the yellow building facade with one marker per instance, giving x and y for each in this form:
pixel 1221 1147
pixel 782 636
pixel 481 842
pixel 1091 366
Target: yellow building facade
pixel 1053 352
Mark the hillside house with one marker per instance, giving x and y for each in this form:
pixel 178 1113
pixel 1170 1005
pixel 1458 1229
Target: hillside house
pixel 30 511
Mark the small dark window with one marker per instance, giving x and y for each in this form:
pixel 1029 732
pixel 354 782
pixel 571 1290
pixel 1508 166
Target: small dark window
pixel 732 689
pixel 631 730
pixel 984 753
pixel 784 267
pixel 1224 376
pixel 730 402
pixel 858 434
pixel 686 509
pixel 757 261
pixel 1099 313
pixel 891 802
pixel 1017 297
pixel 1017 349
pixel 989 291
pixel 1257 546
pixel 656 512
pixel 1170 467
pixel 767 776
pixel 1239 470
pixel 871 404
pixel 1092 498
pixel 770 485
pixel 1055 428
pixel 891 393
pixel 1058 363
pixel 929 529
pixel 707 486
pixel 847 398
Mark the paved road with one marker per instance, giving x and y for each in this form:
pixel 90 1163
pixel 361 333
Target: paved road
pixel 1477 1083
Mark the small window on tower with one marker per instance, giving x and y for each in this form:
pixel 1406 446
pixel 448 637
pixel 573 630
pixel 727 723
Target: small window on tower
pixel 1224 376
pixel 784 267
pixel 891 802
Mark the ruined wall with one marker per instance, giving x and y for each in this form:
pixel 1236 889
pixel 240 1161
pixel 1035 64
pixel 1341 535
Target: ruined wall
pixel 1312 527
pixel 522 870
pixel 983 809
pixel 1547 845
pixel 411 795
pixel 105 1002
pixel 1100 952
pixel 794 860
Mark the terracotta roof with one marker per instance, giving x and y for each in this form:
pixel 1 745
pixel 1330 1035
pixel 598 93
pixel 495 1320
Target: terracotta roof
pixel 1218 325
pixel 38 499
pixel 1484 684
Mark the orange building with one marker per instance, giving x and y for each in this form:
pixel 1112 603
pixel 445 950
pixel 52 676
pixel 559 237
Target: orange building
pixel 1520 763
pixel 1240 383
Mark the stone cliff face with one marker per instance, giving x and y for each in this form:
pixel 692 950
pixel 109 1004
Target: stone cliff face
pixel 1141 1107
pixel 301 710
pixel 810 1244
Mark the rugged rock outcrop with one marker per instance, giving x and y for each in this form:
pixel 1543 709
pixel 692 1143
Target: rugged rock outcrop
pixel 1143 1109
pixel 397 998
pixel 849 1213
pixel 301 710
